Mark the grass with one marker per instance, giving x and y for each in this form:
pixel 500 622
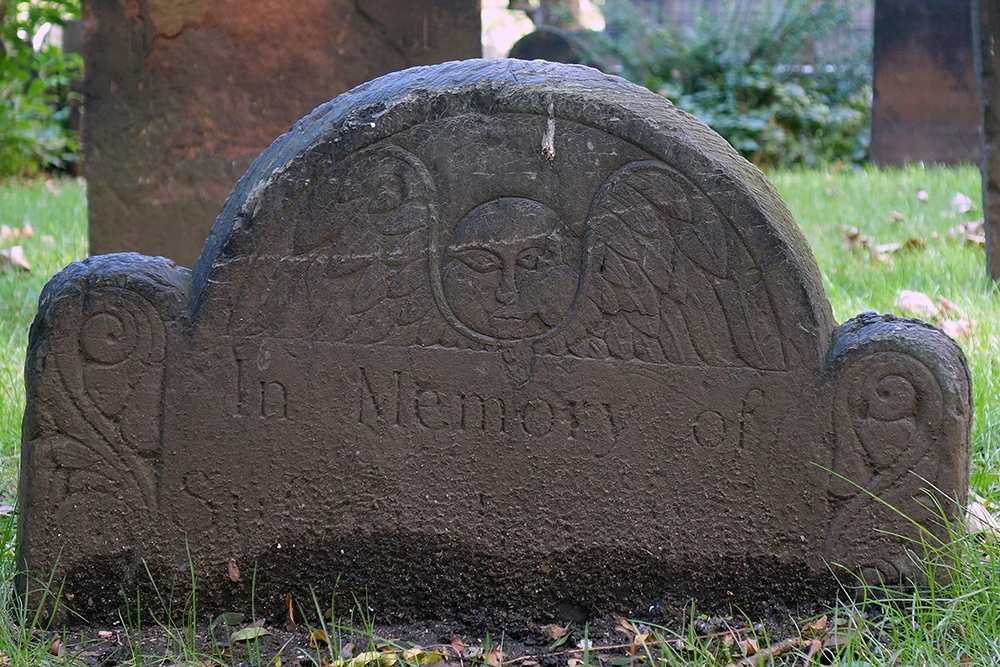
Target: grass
pixel 957 623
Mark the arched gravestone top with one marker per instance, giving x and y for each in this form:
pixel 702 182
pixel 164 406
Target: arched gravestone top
pixel 480 337
pixel 638 191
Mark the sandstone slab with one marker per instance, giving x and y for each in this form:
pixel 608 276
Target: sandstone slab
pixel 925 105
pixel 486 335
pixel 181 97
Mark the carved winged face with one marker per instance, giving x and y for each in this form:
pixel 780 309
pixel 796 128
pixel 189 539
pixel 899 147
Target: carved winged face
pixel 509 271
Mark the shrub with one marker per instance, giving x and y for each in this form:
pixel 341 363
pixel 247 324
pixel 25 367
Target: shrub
pixel 35 88
pixel 748 70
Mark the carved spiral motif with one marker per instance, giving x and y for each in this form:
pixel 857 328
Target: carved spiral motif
pixel 110 363
pixel 888 408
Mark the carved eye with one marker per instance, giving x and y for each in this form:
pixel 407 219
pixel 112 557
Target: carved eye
pixel 479 260
pixel 528 259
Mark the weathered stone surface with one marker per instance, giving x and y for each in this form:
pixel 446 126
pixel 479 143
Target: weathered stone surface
pixel 986 25
pixel 925 105
pixel 182 96
pixel 488 335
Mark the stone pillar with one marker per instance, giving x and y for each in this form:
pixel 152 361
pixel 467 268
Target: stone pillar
pixel 182 96
pixel 925 105
pixel 986 27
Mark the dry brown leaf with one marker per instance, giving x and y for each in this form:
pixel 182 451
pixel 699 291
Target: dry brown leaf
pixel 748 646
pixel 494 658
pixel 970 233
pixel 817 626
pixel 896 216
pixel 961 203
pixel 56 648
pixel 234 572
pixel 982 522
pixel 916 303
pixel 13 258
pixel 105 634
pixel 317 637
pixel 960 329
pixel 625 627
pixel 729 639
pixel 814 647
pixel 556 631
pixel 639 642
pixel 853 239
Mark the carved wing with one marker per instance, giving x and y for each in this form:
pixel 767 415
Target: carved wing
pixel 354 266
pixel 668 280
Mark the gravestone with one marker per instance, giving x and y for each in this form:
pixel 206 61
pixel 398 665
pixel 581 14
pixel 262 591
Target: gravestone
pixel 490 335
pixel 181 97
pixel 986 28
pixel 925 105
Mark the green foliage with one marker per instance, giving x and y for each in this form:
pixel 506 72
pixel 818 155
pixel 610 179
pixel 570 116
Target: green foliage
pixel 748 70
pixel 35 88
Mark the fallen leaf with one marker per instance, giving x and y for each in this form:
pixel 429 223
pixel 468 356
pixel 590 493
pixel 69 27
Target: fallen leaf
pixel 914 243
pixel 316 637
pixel 246 634
pixel 896 216
pixel 748 646
pixel 961 203
pixel 960 329
pixel 56 648
pixel 494 658
pixel 105 634
pixel 853 239
pixel 556 631
pixel 13 258
pixel 639 642
pixel 228 618
pixel 982 522
pixel 574 662
pixel 817 626
pixel 234 572
pixel 970 233
pixel 916 303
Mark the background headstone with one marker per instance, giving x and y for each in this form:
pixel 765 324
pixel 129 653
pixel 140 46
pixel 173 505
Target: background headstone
pixel 485 336
pixel 182 96
pixel 986 24
pixel 925 105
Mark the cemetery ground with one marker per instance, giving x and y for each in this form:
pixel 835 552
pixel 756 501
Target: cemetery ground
pixel 904 241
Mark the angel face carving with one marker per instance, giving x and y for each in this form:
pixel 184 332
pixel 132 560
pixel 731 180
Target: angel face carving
pixel 509 269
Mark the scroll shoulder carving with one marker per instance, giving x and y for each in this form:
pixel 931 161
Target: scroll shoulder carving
pixel 94 376
pixel 902 421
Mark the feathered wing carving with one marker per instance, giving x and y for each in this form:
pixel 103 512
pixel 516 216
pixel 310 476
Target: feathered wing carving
pixel 354 267
pixel 668 280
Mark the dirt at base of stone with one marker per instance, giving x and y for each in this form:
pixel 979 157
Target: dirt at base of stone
pixel 510 640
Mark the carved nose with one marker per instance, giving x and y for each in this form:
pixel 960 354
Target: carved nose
pixel 507 291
